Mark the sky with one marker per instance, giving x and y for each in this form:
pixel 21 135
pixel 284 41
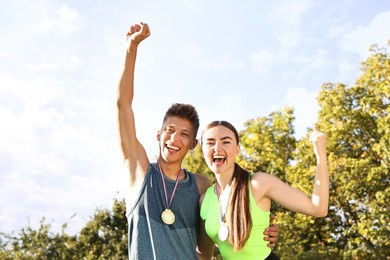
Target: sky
pixel 60 63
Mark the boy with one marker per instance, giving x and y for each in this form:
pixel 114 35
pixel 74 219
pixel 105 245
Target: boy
pixel 162 204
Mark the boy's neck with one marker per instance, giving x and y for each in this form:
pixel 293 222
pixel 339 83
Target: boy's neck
pixel 171 170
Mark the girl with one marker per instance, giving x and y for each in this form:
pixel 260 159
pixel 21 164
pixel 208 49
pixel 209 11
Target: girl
pixel 236 207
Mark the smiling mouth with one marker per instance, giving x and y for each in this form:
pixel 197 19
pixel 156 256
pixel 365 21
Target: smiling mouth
pixel 172 148
pixel 218 159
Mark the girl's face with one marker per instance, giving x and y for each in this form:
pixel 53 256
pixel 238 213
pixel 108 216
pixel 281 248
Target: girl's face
pixel 176 138
pixel 220 148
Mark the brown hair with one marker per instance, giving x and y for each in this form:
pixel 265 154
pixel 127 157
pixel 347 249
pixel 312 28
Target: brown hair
pixel 184 111
pixel 239 218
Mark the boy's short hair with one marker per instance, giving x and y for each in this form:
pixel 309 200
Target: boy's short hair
pixel 184 111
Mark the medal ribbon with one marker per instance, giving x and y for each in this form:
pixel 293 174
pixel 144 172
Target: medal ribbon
pixel 222 213
pixel 165 187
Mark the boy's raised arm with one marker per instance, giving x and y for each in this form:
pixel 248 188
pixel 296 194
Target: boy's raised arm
pixel 134 154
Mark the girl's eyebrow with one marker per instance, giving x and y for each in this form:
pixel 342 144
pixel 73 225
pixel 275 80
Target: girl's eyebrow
pixel 223 138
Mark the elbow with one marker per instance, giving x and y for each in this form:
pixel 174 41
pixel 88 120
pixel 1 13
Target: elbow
pixel 119 103
pixel 322 213
pixel 122 103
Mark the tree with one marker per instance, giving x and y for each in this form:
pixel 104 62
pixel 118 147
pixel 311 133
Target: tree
pixel 194 162
pixel 356 121
pixel 38 244
pixel 267 144
pixel 103 237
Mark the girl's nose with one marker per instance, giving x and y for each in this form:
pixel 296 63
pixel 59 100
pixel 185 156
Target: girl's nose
pixel 216 146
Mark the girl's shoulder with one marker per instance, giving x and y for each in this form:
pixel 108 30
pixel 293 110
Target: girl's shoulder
pixel 262 180
pixel 257 176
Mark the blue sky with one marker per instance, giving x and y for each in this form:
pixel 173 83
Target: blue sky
pixel 234 60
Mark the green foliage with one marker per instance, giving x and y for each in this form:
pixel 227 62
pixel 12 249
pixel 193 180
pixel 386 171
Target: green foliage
pixel 356 122
pixel 194 162
pixel 267 143
pixel 103 237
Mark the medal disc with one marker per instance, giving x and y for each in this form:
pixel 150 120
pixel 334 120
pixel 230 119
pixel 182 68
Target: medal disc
pixel 168 217
pixel 223 232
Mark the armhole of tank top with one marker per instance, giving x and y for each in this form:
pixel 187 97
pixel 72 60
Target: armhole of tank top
pixel 132 197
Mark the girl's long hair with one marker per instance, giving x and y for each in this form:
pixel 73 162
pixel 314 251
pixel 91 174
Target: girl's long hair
pixel 239 218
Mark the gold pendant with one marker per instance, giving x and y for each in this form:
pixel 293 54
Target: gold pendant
pixel 223 232
pixel 168 217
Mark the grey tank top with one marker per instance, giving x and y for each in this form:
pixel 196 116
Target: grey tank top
pixel 149 237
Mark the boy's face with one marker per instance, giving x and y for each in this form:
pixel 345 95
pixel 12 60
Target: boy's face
pixel 176 138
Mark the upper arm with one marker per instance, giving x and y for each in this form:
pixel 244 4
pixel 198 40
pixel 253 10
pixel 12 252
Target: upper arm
pixel 134 154
pixel 205 247
pixel 283 194
pixel 203 183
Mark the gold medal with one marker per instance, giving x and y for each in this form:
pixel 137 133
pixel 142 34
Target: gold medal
pixel 168 217
pixel 223 232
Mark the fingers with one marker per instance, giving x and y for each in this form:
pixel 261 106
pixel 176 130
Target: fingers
pixel 145 29
pixel 134 28
pixel 272 231
pixel 271 234
pixel 272 218
pixel 316 135
pixel 271 245
pixel 142 28
pixel 272 241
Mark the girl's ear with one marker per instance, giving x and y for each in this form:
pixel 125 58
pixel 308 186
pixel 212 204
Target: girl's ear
pixel 238 150
pixel 158 135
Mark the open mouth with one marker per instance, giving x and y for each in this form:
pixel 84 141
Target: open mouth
pixel 219 159
pixel 172 148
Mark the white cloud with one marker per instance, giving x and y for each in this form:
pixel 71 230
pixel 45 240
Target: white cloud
pixel 288 13
pixel 51 155
pixel 62 21
pixel 348 71
pixel 263 61
pixel 190 53
pixel 227 107
pixel 359 39
pixel 289 40
pixel 315 61
pixel 338 30
pixel 60 58
pixel 305 108
pixel 67 20
pixel 37 91
pixel 237 65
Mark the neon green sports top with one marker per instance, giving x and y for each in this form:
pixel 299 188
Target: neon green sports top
pixel 255 247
